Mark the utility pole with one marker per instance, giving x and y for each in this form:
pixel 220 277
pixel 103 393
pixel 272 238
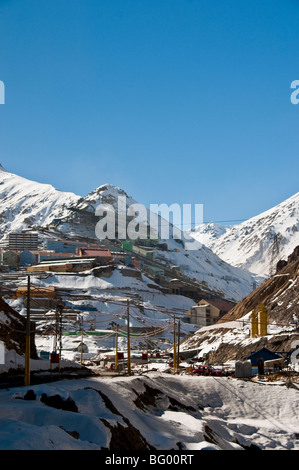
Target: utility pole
pixel 179 334
pixel 116 348
pixel 147 350
pixel 59 310
pixel 27 353
pixel 81 355
pixel 128 338
pixel 174 360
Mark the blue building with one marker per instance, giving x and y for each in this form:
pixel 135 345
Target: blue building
pixel 264 354
pixel 27 258
pixel 62 246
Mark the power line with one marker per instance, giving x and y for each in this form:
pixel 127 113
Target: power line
pixel 112 315
pixel 176 224
pixel 245 399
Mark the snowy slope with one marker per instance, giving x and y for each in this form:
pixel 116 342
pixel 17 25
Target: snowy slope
pixel 258 243
pixel 25 203
pixel 208 233
pixel 204 266
pixel 157 412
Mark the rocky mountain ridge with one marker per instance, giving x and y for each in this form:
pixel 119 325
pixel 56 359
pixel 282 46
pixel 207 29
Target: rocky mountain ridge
pixel 279 294
pixel 230 339
pixel 256 244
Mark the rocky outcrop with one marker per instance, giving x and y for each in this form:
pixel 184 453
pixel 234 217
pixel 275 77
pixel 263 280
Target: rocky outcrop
pixel 279 294
pixel 229 339
pixel 13 330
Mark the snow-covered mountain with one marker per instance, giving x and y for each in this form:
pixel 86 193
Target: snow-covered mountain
pixel 27 204
pixel 208 233
pixel 258 243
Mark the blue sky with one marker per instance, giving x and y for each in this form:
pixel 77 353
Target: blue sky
pixel 175 101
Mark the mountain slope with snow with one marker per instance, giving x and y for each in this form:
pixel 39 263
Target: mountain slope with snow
pixel 195 260
pixel 231 335
pixel 29 205
pixel 258 243
pixel 208 233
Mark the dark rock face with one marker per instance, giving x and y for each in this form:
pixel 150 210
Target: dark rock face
pixel 294 256
pixel 57 402
pixel 280 265
pixel 291 259
pixel 13 330
pixel 123 437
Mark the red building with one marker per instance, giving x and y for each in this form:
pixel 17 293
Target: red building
pixel 102 254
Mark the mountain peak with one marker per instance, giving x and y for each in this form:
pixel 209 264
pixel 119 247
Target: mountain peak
pixel 107 194
pixel 2 168
pixel 257 244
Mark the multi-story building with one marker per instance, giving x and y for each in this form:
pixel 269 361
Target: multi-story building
pixel 203 313
pixel 21 241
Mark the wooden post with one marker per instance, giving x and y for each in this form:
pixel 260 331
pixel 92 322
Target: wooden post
pixel 128 338
pixel 81 358
pixel 178 355
pixel 116 348
pixel 174 359
pixel 27 353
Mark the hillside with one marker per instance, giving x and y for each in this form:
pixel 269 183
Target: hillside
pixel 230 338
pixel 153 412
pixel 259 243
pixel 27 204
pixel 34 206
pixel 279 294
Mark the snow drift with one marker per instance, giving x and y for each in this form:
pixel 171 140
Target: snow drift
pixel 157 412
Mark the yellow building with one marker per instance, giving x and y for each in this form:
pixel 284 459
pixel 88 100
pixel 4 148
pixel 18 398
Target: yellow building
pixel 254 324
pixel 262 321
pixel 48 292
pixel 259 322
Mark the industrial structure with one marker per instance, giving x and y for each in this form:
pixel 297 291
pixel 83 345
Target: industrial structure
pixel 259 322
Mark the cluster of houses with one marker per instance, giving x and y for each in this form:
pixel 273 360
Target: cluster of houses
pixel 25 251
